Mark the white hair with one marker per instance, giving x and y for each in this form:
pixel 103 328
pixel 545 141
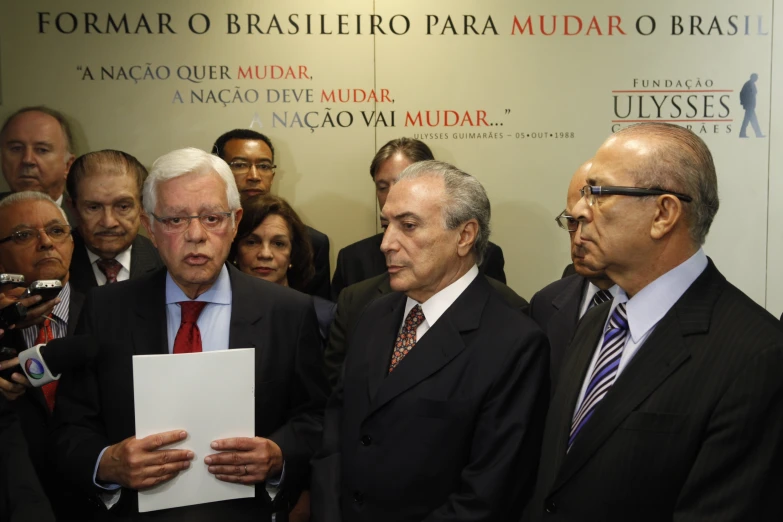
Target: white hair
pixel 29 195
pixel 188 161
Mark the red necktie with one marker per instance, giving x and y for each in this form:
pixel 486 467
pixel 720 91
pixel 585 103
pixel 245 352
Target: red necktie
pixel 188 339
pixel 110 268
pixel 45 335
pixel 406 339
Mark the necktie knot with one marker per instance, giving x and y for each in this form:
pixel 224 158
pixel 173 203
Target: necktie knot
pixel 191 310
pixel 600 297
pixel 110 268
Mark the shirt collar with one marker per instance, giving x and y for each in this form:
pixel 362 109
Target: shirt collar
pixel 122 258
pixel 437 305
pixel 59 200
pixel 648 307
pixel 591 290
pixel 60 312
pixel 219 293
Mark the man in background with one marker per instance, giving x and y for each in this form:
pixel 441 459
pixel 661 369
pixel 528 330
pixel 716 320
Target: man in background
pixel 105 197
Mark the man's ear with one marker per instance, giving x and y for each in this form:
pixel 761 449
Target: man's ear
pixel 467 237
pixel 668 212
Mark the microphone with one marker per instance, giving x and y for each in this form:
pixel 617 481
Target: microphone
pixel 45 363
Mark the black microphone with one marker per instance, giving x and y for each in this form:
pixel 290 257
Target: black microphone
pixel 44 363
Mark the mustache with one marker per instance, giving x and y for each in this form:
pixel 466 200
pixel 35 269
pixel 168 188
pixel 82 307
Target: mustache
pixel 110 233
pixel 28 171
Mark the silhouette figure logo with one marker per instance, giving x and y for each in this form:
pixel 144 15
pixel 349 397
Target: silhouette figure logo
pixel 748 100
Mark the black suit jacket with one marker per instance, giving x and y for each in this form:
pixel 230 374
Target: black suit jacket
pixel 36 422
pixel 355 298
pixel 319 284
pixel 452 434
pixel 95 405
pixel 21 497
pixel 364 259
pixel 144 261
pixel 555 309
pixel 690 431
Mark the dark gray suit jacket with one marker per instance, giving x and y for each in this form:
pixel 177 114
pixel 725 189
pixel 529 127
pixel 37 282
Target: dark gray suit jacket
pixel 691 429
pixel 319 285
pixel 144 261
pixel 354 299
pixel 95 404
pixel 452 434
pixel 555 309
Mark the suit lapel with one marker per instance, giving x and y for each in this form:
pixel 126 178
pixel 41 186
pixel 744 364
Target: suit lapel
pixel 149 337
pixel 243 330
pixel 658 358
pixel 442 343
pixel 75 305
pixel 562 324
pixel 381 343
pixel 82 275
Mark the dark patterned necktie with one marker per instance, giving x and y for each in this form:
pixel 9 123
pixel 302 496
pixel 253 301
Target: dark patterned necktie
pixel 406 339
pixel 600 297
pixel 110 268
pixel 605 372
pixel 188 339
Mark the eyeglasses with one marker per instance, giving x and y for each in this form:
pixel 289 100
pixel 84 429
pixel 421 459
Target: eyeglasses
pixel 591 193
pixel 211 222
pixel 26 236
pixel 243 167
pixel 567 222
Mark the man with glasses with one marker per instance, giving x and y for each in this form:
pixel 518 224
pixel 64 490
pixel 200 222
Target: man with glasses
pixel 35 241
pixel 558 307
pixel 251 157
pixel 196 303
pixel 670 403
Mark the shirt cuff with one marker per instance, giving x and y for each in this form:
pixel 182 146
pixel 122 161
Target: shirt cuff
pixel 112 491
pixel 273 485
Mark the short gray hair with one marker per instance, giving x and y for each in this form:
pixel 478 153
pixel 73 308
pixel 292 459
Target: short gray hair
pixel 680 162
pixel 188 161
pixel 29 195
pixel 466 199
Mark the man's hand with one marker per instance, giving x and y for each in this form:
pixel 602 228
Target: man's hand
pixel 35 314
pixel 140 463
pixel 245 460
pixel 16 387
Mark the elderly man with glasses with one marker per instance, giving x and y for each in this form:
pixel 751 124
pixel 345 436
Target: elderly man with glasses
pixel 670 402
pixel 196 303
pixel 36 242
pixel 558 307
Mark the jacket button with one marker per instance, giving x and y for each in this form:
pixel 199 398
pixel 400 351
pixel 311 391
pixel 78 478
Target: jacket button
pixel 358 498
pixel 366 440
pixel 550 507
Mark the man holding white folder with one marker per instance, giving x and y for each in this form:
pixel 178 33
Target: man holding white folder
pixel 198 303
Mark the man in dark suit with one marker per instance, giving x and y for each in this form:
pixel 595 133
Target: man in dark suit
pixel 364 259
pixel 105 196
pixel 558 307
pixel 36 151
pixel 440 409
pixel 35 241
pixel 251 157
pixel 21 497
pixel 670 403
pixel 191 211
pixel 355 298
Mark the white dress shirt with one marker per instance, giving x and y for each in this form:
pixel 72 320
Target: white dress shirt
pixel 434 307
pixel 123 258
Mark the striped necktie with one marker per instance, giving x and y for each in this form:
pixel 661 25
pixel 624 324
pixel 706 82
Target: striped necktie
pixel 600 297
pixel 605 370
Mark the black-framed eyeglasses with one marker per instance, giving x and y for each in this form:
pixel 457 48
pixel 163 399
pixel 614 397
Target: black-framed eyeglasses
pixel 26 236
pixel 567 221
pixel 591 192
pixel 213 221
pixel 241 167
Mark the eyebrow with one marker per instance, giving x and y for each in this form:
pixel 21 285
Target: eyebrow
pixel 26 225
pixel 404 215
pixel 245 158
pixel 20 142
